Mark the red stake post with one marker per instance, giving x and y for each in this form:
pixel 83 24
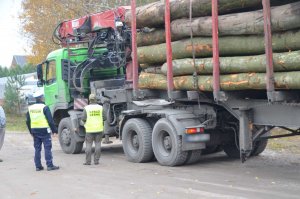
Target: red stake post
pixel 134 47
pixel 268 49
pixel 215 45
pixel 169 49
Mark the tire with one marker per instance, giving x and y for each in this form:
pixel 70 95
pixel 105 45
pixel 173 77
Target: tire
pixel 259 147
pixel 136 140
pixel 232 151
pixel 167 145
pixel 212 149
pixel 194 156
pixel 67 137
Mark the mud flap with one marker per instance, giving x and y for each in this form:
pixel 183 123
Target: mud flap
pixel 245 134
pixel 75 117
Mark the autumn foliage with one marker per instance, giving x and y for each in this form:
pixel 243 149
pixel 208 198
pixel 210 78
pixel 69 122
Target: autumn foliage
pixel 40 17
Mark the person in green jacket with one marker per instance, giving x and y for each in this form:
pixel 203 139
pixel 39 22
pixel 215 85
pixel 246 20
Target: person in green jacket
pixel 93 118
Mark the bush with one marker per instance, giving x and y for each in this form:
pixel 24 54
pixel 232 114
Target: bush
pixel 12 99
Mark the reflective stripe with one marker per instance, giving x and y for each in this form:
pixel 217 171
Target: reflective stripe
pixel 94 120
pixel 37 116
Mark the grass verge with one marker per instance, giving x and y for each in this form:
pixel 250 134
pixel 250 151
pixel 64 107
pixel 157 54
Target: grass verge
pixel 16 123
pixel 285 144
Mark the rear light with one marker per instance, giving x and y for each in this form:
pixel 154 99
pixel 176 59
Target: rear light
pixel 194 130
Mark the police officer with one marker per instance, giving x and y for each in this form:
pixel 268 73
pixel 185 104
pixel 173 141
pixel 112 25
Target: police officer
pixel 39 122
pixel 93 122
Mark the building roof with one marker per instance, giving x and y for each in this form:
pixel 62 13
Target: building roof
pixel 20 60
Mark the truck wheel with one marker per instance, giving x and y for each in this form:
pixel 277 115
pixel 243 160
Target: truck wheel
pixel 167 145
pixel 259 147
pixel 136 140
pixel 67 137
pixel 193 156
pixel 212 149
pixel 232 151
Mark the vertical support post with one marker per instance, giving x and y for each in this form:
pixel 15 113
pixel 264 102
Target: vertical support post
pixel 268 50
pixel 170 82
pixel 129 71
pixel 215 45
pixel 69 66
pixel 134 48
pixel 245 135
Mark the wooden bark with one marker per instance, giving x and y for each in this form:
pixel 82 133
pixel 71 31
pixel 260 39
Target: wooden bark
pixel 283 18
pixel 289 61
pixel 228 46
pixel 152 15
pixel 241 81
pixel 155 70
pixel 156 36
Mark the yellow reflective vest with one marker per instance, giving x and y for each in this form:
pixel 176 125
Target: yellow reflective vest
pixel 37 116
pixel 94 119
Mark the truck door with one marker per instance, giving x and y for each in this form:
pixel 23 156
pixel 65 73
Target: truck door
pixel 51 86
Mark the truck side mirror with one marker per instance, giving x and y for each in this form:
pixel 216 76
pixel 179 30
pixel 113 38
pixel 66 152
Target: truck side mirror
pixel 39 71
pixel 40 83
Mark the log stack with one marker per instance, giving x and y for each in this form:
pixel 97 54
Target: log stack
pixel 241 44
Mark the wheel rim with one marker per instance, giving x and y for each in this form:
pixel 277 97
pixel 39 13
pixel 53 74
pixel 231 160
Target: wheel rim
pixel 66 136
pixel 134 141
pixel 165 143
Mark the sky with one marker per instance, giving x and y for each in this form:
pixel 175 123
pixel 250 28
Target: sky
pixel 11 40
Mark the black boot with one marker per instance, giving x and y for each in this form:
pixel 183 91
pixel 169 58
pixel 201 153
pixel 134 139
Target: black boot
pixel 39 168
pixel 52 168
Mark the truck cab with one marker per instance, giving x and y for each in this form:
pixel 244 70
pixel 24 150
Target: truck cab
pixel 55 88
pixel 66 93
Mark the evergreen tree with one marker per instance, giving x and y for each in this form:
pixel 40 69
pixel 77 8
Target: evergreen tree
pixel 12 98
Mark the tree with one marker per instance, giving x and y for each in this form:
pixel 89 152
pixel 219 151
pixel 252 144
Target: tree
pixel 12 98
pixel 28 68
pixel 40 17
pixel 1 71
pixel 4 72
pixel 18 70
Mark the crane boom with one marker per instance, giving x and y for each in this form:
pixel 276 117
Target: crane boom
pixel 84 28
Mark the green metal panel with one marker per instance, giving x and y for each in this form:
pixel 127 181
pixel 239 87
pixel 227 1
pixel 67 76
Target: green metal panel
pixel 58 90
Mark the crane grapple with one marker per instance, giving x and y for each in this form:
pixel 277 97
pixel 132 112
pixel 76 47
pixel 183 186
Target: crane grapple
pixel 84 28
pixel 105 30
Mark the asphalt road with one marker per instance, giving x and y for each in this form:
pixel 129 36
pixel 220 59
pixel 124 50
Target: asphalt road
pixel 268 176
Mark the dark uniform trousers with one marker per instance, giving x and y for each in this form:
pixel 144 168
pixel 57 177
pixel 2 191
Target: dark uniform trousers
pixel 89 139
pixel 44 138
